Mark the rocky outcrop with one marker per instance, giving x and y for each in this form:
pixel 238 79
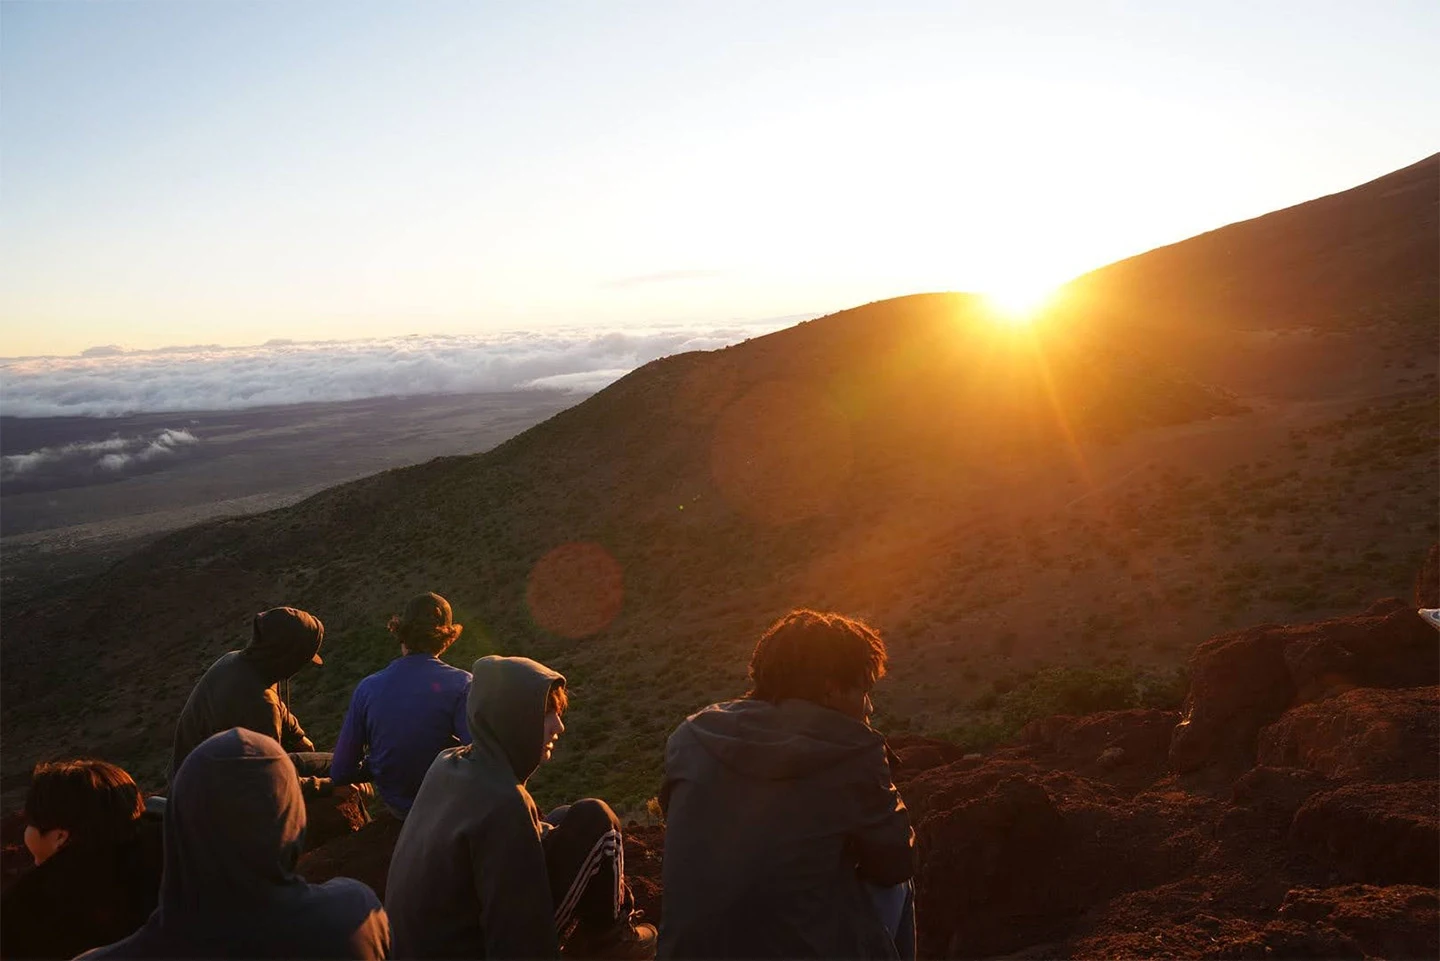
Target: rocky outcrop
pixel 1380 833
pixel 1367 733
pixel 1243 681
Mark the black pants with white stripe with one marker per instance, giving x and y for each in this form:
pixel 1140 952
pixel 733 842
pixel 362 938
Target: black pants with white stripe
pixel 586 862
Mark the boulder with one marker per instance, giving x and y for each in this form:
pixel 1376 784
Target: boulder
pixel 329 817
pixel 985 867
pixel 1400 921
pixel 363 854
pixel 1387 645
pixel 1377 833
pixel 1277 790
pixel 1238 684
pixel 1367 733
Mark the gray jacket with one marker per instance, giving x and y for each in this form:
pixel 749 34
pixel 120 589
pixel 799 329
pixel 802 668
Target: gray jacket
pixel 775 815
pixel 468 877
pixel 241 688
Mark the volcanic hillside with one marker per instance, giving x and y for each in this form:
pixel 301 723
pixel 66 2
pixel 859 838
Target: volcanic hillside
pixel 1237 428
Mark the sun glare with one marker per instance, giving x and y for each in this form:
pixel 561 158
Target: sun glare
pixel 1018 304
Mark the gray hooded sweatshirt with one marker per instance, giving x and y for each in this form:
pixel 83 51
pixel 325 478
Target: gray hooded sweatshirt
pixel 775 814
pixel 240 689
pixel 468 877
pixel 234 828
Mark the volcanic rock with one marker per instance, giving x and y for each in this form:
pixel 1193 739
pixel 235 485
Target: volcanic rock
pixel 1380 833
pixel 1401 921
pixel 1367 733
pixel 1238 683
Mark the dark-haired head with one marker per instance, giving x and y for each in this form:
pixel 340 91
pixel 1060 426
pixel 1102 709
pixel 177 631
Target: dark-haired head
pixel 426 626
pixel 79 802
pixel 816 656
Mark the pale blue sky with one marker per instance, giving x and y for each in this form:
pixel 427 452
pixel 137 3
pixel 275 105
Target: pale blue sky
pixel 233 171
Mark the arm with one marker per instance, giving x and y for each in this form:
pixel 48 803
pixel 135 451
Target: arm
pixel 345 765
pixel 292 735
pixel 513 885
pixel 883 843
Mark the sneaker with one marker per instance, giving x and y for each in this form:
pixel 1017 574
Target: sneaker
pixel 630 940
pixel 1431 616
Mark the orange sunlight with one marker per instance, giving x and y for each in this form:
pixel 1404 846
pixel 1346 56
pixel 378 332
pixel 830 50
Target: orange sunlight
pixel 1018 304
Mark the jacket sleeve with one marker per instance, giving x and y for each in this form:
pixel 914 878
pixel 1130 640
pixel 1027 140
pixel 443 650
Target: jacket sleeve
pixel 882 843
pixel 345 764
pixel 292 735
pixel 516 912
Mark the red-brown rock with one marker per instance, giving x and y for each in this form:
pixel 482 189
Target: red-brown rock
pixel 1238 684
pixel 1367 733
pixel 1427 582
pixel 1378 833
pixel 1401 921
pixel 363 854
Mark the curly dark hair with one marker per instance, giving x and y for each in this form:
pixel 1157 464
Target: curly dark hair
pixel 95 801
pixel 806 653
pixel 425 625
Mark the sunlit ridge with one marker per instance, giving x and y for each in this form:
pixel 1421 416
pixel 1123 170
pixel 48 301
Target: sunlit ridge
pixel 1018 304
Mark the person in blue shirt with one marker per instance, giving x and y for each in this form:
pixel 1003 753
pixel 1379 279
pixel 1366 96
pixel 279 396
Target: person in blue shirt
pixel 400 718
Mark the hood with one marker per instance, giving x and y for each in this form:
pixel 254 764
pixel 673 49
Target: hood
pixel 234 826
pixel 284 640
pixel 771 742
pixel 506 708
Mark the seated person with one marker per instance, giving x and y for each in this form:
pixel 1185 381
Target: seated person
pixel 784 835
pixel 477 873
pixel 400 718
pixel 234 825
pixel 97 862
pixel 242 689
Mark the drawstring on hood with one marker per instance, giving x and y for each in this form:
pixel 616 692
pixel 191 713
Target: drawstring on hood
pixel 283 641
pixel 506 709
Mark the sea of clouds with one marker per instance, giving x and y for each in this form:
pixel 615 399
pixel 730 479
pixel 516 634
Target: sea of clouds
pixel 112 382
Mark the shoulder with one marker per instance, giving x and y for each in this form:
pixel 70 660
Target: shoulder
pixel 455 675
pixel 348 898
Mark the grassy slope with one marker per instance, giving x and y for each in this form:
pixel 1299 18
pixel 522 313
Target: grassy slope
pixel 1129 480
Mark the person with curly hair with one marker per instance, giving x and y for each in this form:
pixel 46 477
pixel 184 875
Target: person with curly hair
pixel 400 718
pixel 784 834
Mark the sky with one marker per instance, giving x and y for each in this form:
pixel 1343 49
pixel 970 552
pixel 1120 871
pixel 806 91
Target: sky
pixel 236 171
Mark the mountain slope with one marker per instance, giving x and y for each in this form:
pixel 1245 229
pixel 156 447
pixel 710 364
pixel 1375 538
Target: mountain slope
pixel 996 500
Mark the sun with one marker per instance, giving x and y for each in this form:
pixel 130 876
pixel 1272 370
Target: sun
pixel 1018 304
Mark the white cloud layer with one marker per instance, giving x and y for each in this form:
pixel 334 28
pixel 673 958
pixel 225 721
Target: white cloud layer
pixel 111 382
pixel 91 460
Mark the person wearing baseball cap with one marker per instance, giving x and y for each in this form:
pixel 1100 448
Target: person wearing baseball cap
pixel 244 688
pixel 401 717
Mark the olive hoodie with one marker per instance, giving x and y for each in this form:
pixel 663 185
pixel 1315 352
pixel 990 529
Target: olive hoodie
pixel 234 828
pixel 240 689
pixel 468 877
pixel 775 815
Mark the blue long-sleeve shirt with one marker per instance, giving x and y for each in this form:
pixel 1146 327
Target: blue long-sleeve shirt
pixel 400 718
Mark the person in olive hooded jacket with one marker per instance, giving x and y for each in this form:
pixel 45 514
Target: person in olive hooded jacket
pixel 477 873
pixel 784 835
pixel 242 689
pixel 234 829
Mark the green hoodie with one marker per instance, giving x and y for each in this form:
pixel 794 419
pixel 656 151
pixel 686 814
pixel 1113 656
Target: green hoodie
pixel 468 876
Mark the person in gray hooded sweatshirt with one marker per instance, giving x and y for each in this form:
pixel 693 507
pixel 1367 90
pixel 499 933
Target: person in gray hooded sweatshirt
pixel 234 827
pixel 784 835
pixel 242 689
pixel 477 873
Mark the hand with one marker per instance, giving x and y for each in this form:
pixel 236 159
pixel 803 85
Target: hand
pixel 343 792
pixel 307 745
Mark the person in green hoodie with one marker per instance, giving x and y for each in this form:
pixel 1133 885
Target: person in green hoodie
pixel 477 873
pixel 784 834
pixel 249 689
